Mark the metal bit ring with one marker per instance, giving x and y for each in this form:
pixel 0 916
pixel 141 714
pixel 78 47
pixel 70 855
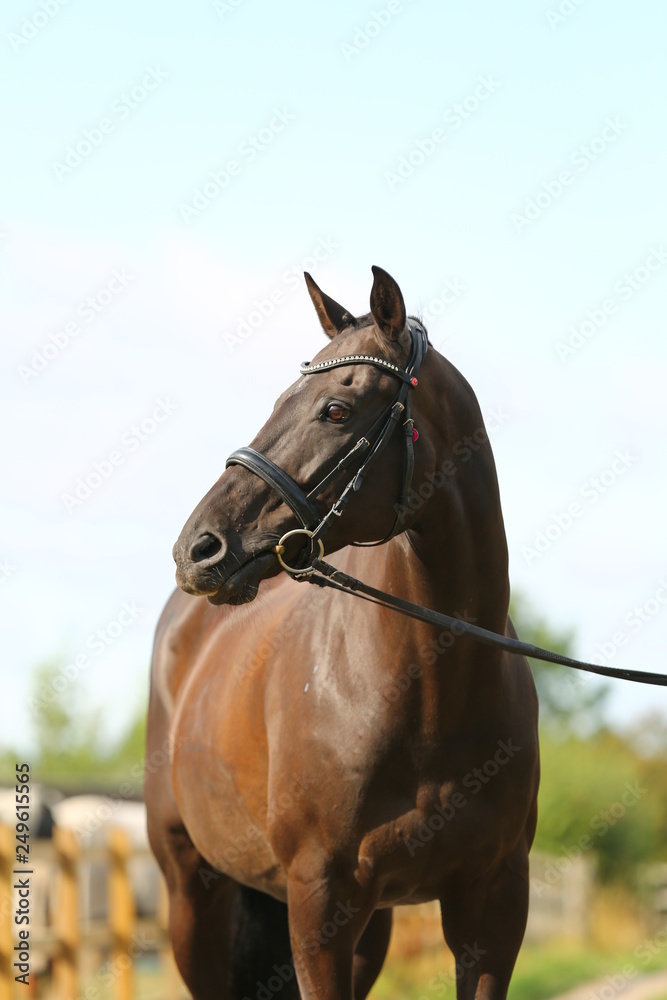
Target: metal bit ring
pixel 280 548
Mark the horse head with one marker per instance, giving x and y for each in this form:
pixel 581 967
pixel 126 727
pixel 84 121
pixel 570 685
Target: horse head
pixel 335 413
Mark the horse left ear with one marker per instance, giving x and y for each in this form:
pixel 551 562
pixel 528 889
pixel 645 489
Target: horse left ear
pixel 387 305
pixel 332 316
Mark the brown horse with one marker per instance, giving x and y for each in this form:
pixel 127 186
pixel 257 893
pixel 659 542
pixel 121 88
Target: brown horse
pixel 331 759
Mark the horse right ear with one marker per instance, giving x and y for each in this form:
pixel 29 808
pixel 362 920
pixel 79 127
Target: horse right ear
pixel 332 316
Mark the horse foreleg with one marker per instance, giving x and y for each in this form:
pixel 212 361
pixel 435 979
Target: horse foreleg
pixel 201 909
pixel 328 914
pixel 371 952
pixel 484 926
pixel 262 956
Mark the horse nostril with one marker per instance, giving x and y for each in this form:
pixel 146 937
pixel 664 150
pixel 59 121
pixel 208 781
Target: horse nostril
pixel 205 547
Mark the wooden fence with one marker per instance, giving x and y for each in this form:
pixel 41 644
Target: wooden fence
pixel 63 940
pixel 68 937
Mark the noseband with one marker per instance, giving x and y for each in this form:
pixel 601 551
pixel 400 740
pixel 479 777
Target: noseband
pixel 371 445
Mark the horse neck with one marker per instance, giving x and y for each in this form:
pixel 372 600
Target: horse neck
pixel 459 535
pixel 453 559
pixel 459 546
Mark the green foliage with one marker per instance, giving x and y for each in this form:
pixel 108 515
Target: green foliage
pixel 547 971
pixel 600 798
pixel 71 751
pixel 542 971
pixel 569 701
pixel 602 794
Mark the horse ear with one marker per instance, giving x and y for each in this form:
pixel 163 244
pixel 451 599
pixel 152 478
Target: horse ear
pixel 332 316
pixel 387 305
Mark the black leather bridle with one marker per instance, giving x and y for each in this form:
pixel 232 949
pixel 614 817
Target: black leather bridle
pixel 312 567
pixel 367 449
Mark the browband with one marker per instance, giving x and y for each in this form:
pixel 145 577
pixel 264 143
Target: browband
pixel 311 367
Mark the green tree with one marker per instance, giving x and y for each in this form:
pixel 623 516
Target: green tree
pixel 599 798
pixel 72 751
pixel 68 738
pixel 603 794
pixel 569 701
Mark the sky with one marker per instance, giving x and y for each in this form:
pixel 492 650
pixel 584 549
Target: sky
pixel 170 170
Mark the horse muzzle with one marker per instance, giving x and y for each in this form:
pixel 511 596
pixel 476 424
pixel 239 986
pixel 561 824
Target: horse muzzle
pixel 207 565
pixel 223 580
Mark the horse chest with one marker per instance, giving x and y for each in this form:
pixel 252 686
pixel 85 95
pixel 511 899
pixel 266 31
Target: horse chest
pixel 278 745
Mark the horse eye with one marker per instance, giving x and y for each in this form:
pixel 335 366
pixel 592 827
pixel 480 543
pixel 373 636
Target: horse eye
pixel 337 413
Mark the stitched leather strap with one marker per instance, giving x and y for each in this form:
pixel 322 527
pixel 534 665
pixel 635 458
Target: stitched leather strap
pixel 284 485
pixel 337 580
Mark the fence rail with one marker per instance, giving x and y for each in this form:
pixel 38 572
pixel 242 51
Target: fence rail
pixel 61 934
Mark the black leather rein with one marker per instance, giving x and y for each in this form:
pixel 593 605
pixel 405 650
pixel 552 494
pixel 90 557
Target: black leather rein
pixel 314 570
pixel 326 575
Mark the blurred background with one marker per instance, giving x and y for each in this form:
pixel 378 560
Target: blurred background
pixel 168 174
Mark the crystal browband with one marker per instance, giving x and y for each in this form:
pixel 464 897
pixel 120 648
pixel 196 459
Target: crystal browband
pixel 308 367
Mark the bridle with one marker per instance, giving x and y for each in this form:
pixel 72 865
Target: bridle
pixel 367 449
pixel 313 569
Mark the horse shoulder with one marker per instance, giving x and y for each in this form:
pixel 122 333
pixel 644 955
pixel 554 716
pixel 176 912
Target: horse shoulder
pixel 180 633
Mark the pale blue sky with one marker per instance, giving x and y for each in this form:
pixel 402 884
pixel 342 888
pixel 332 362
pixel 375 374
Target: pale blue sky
pixel 167 293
